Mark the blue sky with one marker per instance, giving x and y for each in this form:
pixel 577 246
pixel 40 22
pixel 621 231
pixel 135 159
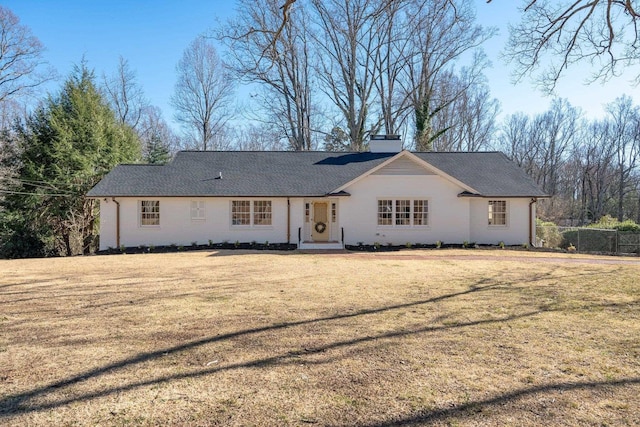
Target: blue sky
pixel 152 35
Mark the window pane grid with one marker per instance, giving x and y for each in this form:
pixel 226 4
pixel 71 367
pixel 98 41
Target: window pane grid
pixel 149 212
pixel 385 212
pixel 403 212
pixel 497 212
pixel 241 212
pixel 420 212
pixel 262 212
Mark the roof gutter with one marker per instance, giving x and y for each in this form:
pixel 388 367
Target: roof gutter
pixel 531 223
pixel 288 221
pixel 117 221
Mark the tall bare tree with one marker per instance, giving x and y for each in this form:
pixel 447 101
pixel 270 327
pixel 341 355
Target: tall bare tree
pixel 125 94
pixel 552 36
pixel 469 120
pixel 346 40
pixel 21 60
pixel 202 93
pixel 260 137
pixel 595 159
pixel 393 42
pixel 625 137
pixel 441 32
pixel 276 54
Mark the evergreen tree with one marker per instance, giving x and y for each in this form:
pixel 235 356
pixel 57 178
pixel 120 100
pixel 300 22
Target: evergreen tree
pixel 64 148
pixel 157 152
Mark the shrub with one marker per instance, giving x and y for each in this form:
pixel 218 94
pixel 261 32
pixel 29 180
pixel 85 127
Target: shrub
pixel 608 222
pixel 549 233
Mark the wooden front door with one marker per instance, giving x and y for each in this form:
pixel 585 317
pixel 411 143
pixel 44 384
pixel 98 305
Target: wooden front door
pixel 320 224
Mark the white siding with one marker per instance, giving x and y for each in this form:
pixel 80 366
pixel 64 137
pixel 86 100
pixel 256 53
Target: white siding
pixel 403 166
pixel 107 224
pixel 516 232
pixel 448 214
pixel 176 225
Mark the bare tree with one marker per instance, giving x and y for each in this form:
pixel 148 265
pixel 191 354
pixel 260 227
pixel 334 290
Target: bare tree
pixel 202 93
pixel 625 137
pixel 595 158
pixel 258 138
pixel 552 36
pixel 469 120
pixel 441 32
pixel 346 40
pixel 276 55
pixel 518 140
pixel 20 57
pixel 125 94
pixel 557 129
pixel 389 60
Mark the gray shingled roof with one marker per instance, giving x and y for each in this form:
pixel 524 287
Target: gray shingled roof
pixel 491 174
pixel 277 174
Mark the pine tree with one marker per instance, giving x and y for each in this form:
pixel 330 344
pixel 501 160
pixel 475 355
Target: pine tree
pixel 64 148
pixel 157 152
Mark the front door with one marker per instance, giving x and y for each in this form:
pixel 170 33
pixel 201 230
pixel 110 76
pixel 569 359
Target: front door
pixel 320 223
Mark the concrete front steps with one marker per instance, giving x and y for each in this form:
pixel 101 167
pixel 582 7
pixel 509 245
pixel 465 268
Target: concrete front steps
pixel 320 245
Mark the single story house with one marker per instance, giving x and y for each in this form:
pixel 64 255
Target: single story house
pixel 319 199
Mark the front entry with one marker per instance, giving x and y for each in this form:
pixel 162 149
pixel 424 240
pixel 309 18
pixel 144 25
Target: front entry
pixel 320 223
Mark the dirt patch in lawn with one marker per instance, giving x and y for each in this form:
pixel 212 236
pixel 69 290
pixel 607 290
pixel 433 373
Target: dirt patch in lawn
pixel 456 337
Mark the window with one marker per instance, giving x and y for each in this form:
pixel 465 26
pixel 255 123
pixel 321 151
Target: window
pixel 241 212
pixel 420 212
pixel 247 212
pixel 149 213
pixel 333 212
pixel 403 212
pixel 306 212
pixel 385 212
pixel 197 210
pixel 262 212
pixel 497 212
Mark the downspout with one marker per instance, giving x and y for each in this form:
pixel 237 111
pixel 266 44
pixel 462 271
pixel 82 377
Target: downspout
pixel 531 223
pixel 117 221
pixel 288 221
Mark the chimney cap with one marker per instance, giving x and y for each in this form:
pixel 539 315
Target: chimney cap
pixel 390 137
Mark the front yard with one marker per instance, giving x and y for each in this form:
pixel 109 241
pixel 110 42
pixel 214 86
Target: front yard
pixel 444 337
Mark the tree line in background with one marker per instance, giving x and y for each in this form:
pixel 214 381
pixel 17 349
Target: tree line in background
pixel 322 75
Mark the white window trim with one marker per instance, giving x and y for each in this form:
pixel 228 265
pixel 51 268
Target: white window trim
pixel 140 224
pixel 411 225
pixel 251 215
pixel 198 209
pixel 506 213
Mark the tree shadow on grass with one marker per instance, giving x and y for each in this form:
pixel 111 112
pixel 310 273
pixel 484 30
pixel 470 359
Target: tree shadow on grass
pixel 20 402
pixel 25 402
pixel 470 409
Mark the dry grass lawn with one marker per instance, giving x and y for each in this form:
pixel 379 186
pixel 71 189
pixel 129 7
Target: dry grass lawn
pixel 450 337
